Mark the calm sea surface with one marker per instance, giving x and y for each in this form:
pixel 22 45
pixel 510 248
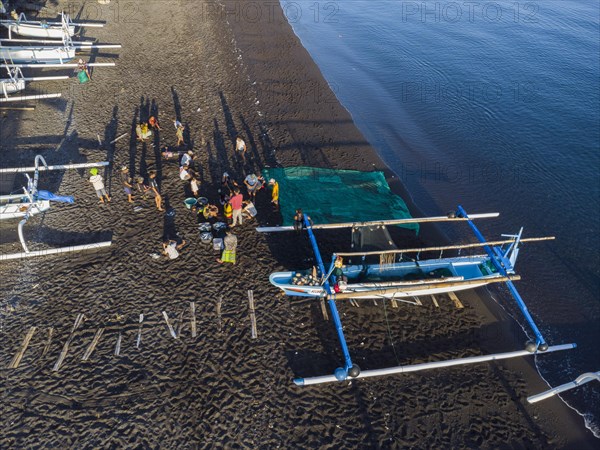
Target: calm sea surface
pixel 495 106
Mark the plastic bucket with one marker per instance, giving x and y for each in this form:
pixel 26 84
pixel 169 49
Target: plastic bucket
pixel 189 202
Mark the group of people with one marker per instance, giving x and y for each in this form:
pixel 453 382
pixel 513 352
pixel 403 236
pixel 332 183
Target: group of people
pixel 235 207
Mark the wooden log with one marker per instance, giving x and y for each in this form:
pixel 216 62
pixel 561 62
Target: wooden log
pixel 455 299
pixel 19 355
pixel 48 342
pixel 118 346
pixel 252 314
pixel 394 303
pixel 171 330
pixel 193 318
pixel 219 318
pixel 435 302
pixel 93 344
pixel 324 309
pixel 139 335
pixel 63 354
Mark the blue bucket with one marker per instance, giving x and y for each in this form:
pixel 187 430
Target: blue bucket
pixel 189 202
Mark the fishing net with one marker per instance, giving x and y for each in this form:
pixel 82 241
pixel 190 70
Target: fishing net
pixel 337 196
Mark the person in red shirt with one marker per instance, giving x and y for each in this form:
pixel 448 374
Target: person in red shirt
pixel 236 204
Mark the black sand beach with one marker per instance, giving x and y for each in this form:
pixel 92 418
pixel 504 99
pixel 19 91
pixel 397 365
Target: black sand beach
pixel 221 73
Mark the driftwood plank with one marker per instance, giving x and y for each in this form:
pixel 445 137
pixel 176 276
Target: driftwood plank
pixel 252 314
pixel 171 330
pixel 93 344
pixel 139 335
pixel 118 346
pixel 193 318
pixel 455 299
pixel 219 318
pixel 49 341
pixel 65 349
pixel 19 355
pixel 324 309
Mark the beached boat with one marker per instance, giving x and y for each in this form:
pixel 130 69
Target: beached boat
pixel 396 279
pixel 43 28
pixel 34 201
pixel 37 54
pixel 16 82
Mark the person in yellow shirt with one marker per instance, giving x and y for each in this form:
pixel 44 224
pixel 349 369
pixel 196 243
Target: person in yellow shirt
pixel 274 193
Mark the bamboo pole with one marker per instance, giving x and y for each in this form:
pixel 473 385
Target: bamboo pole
pixel 455 300
pixel 139 335
pixel 219 317
pixel 118 345
pixel 252 314
pixel 55 251
pixel 446 247
pixel 28 97
pixel 171 330
pixel 55 167
pixel 63 354
pixel 443 285
pixel 193 318
pixel 19 355
pixel 93 344
pixel 48 342
pixel 325 226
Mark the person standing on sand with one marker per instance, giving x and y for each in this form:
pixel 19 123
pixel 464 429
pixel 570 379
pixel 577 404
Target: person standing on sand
pixel 98 184
pixel 236 204
pixel 171 248
pixel 274 193
pixel 179 134
pixel 127 183
pixel 230 243
pixel 253 184
pixel 195 187
pixel 240 148
pixel 153 123
pixel 155 191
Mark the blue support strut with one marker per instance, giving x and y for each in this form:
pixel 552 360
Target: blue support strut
pixel 334 312
pixel 496 257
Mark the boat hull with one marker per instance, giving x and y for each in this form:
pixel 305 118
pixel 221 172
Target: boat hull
pixel 16 206
pixel 39 31
pixel 37 54
pixel 398 280
pixel 10 87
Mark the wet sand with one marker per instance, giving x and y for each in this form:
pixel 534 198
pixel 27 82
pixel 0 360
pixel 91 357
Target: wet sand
pixel 223 389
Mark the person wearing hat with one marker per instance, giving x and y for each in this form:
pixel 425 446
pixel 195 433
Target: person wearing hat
pixel 127 183
pixel 98 183
pixel 253 184
pixel 274 193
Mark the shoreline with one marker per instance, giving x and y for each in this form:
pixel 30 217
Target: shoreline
pixel 223 388
pixel 573 423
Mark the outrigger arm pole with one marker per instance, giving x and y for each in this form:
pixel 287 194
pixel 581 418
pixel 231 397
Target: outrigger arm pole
pixel 340 373
pixel 502 264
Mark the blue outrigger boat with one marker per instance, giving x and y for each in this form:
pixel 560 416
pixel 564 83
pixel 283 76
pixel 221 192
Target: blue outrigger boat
pixel 396 280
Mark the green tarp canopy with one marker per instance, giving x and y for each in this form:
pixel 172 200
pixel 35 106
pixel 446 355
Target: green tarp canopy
pixel 336 196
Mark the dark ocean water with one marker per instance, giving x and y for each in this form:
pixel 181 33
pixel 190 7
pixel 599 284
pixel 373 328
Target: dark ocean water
pixel 494 106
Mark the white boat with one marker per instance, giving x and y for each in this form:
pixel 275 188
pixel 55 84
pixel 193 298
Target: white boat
pixel 16 82
pixel 37 54
pixel 16 206
pixel 43 28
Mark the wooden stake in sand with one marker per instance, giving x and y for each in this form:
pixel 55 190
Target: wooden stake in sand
pixel 455 299
pixel 63 354
pixel 394 303
pixel 171 330
pixel 48 342
pixel 193 319
pixel 324 309
pixel 252 314
pixel 119 138
pixel 92 346
pixel 19 355
pixel 435 302
pixel 118 346
pixel 139 335
pixel 220 320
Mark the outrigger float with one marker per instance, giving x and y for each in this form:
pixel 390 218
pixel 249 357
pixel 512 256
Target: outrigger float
pixel 34 201
pixel 389 279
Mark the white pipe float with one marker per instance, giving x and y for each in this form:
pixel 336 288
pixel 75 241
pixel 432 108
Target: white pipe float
pixel 56 167
pixel 55 251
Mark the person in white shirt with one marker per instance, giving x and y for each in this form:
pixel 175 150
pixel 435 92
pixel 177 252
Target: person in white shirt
pixel 240 147
pixel 98 184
